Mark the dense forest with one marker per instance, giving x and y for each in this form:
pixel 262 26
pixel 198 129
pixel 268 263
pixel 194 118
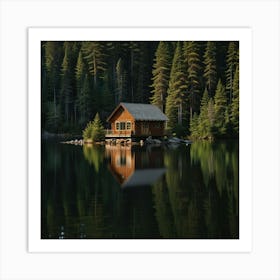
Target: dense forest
pixel 196 84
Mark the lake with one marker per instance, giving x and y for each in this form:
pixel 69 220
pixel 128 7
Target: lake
pixel 186 192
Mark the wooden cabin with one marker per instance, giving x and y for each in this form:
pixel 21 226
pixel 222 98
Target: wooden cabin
pixel 136 120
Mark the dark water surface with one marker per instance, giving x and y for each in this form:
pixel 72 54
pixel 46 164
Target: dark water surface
pixel 137 192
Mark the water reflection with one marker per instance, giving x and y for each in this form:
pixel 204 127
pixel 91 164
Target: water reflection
pixel 135 167
pixel 134 192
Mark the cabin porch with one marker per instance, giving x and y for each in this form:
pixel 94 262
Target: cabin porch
pixel 109 133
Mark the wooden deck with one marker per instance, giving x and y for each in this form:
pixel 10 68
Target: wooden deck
pixel 119 134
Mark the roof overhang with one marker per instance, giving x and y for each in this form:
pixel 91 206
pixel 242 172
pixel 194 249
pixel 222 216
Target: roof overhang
pixel 113 113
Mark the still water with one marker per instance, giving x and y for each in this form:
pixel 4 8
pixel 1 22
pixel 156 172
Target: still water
pixel 140 192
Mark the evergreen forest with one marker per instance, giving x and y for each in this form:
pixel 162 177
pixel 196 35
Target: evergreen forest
pixel 195 83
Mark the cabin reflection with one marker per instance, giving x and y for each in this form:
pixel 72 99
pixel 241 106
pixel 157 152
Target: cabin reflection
pixel 135 166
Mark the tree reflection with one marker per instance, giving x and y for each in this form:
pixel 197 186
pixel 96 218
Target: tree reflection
pixel 199 198
pixel 94 155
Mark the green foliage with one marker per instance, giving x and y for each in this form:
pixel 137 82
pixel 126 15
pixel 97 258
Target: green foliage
pixel 193 65
pixel 121 82
pixel 143 74
pixel 210 70
pixel 177 91
pixel 204 126
pixel 80 70
pixel 94 54
pixel 83 100
pixel 234 116
pixel 220 108
pixel 66 86
pixel 232 60
pixel 51 64
pixel 194 130
pixel 87 131
pixel 213 120
pixel 161 72
pixel 211 116
pixel 94 130
pixel 52 116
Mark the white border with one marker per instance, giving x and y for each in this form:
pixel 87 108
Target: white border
pixel 36 35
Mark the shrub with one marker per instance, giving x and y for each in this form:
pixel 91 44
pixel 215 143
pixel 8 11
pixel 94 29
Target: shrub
pixel 94 130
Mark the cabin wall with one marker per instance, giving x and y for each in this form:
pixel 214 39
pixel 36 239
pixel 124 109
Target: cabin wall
pixel 138 128
pixel 151 128
pixel 122 116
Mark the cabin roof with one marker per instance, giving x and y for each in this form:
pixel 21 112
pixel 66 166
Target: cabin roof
pixel 143 112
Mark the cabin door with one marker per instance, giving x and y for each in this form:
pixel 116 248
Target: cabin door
pixel 145 129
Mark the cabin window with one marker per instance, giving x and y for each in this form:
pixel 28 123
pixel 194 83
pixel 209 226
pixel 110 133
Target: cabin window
pixel 122 125
pixel 117 126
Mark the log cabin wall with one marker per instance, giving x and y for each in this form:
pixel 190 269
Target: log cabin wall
pixel 149 128
pixel 122 115
pixel 124 124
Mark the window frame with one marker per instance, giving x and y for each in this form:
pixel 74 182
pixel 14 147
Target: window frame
pixel 117 125
pixel 123 125
pixel 130 125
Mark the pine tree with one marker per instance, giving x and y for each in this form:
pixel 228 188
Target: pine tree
pixel 107 96
pixel 97 133
pixel 121 82
pixel 51 112
pixel 80 71
pixel 52 115
pixel 146 66
pixel 66 90
pixel 132 51
pixel 193 65
pixel 234 116
pixel 161 73
pixel 95 55
pixel 83 101
pixel 227 125
pixel 203 120
pixel 94 130
pixel 194 126
pixel 210 69
pixel 232 60
pixel 220 108
pixel 211 116
pixel 177 91
pixel 83 90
